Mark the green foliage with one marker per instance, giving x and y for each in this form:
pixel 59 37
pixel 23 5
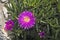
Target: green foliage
pixel 58 5
pixel 47 13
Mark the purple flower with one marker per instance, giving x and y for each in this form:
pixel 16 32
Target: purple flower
pixel 9 25
pixel 42 34
pixel 26 19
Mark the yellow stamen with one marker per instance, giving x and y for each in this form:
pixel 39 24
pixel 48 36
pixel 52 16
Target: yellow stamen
pixel 26 19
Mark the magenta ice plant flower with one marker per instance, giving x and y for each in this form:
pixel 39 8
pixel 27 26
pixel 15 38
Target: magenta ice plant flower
pixel 41 34
pixel 26 20
pixel 9 25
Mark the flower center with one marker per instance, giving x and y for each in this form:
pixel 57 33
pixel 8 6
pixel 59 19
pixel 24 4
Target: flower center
pixel 26 19
pixel 10 24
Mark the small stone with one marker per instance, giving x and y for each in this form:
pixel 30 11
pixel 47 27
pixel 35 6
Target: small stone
pixel 4 1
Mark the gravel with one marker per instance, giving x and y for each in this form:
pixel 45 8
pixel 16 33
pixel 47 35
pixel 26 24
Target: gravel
pixel 2 22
